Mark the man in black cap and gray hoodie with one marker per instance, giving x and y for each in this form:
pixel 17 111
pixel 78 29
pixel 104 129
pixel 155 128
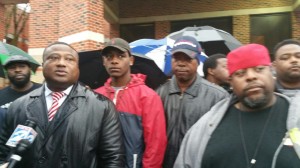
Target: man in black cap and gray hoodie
pixel 18 72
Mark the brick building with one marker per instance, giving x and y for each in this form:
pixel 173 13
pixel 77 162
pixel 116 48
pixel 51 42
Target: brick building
pixel 87 24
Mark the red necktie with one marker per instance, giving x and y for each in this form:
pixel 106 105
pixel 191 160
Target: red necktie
pixel 54 107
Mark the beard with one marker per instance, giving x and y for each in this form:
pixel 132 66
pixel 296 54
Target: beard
pixel 289 77
pixel 293 78
pixel 19 83
pixel 256 103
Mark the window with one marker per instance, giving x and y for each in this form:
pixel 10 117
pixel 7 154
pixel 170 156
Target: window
pixel 132 32
pixel 269 29
pixel 223 23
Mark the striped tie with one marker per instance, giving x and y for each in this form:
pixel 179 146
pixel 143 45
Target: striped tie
pixel 54 107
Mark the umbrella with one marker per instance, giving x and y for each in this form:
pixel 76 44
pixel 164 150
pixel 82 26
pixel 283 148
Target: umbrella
pixel 93 73
pixel 7 50
pixel 160 51
pixel 145 65
pixel 211 39
pixel 154 49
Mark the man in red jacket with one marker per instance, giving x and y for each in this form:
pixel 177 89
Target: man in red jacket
pixel 140 108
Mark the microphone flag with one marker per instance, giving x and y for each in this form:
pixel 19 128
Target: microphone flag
pixel 21 132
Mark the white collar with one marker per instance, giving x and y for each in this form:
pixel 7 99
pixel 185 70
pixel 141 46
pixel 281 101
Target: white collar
pixel 48 91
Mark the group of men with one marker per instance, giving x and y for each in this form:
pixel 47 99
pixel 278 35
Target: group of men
pixel 189 121
pixel 286 58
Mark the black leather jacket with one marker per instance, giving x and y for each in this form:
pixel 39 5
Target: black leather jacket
pixel 182 110
pixel 85 132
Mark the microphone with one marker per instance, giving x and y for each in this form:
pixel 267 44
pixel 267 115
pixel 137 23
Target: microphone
pixel 21 140
pixel 19 151
pixel 26 132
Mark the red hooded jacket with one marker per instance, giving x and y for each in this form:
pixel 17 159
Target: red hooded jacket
pixel 143 121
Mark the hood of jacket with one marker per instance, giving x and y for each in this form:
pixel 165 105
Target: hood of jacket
pixel 136 79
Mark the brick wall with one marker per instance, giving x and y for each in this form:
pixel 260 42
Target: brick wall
pixel 73 17
pixel 134 8
pixel 87 45
pixel 2 9
pixel 78 16
pixel 3 82
pixel 296 25
pixel 43 23
pixel 162 29
pixel 55 19
pixel 241 28
pixel 114 31
pixel 95 21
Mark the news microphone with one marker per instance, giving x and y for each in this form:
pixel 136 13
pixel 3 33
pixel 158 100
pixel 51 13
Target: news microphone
pixel 22 146
pixel 26 132
pixel 21 139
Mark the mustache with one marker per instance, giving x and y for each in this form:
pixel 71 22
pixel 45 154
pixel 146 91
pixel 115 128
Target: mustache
pixel 295 66
pixel 253 85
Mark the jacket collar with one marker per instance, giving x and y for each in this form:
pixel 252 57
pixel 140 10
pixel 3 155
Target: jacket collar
pixel 136 79
pixel 75 92
pixel 191 90
pixel 37 106
pixel 38 103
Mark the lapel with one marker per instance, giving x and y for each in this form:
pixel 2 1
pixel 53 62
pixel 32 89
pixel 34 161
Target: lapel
pixel 37 112
pixel 65 110
pixel 69 106
pixel 192 90
pixel 36 109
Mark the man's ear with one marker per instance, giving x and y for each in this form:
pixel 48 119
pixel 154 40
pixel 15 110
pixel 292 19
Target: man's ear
pixel 230 80
pixel 274 64
pixel 210 71
pixel 131 60
pixel 103 60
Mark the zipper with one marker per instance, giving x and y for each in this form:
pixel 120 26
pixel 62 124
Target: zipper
pixel 134 160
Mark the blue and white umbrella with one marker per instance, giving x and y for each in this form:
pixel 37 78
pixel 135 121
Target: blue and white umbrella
pixel 157 50
pixel 160 51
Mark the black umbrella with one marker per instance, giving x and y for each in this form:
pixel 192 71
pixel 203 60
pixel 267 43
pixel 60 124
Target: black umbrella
pixel 93 73
pixel 211 39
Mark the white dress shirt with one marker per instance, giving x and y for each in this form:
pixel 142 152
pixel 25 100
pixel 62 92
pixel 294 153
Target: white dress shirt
pixel 48 96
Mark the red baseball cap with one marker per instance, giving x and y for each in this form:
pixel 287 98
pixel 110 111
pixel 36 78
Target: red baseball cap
pixel 247 56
